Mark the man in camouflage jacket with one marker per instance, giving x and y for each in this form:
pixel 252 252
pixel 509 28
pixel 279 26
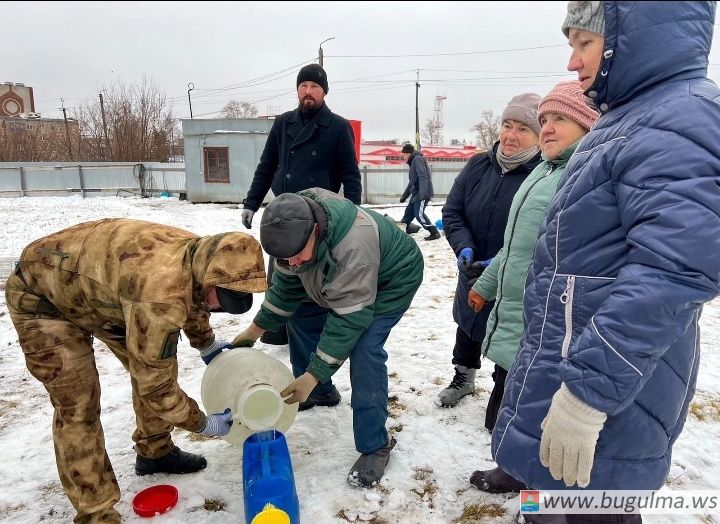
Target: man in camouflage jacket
pixel 133 285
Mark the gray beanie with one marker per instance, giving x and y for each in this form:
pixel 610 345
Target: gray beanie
pixel 589 16
pixel 286 226
pixel 523 108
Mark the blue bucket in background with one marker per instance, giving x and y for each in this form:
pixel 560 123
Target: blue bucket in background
pixel 439 225
pixel 268 477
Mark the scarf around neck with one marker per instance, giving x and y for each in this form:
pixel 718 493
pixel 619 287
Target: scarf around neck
pixel 508 163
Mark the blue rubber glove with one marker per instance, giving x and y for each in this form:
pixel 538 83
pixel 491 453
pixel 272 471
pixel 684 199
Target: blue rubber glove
pixel 218 424
pixel 486 263
pixel 465 258
pixel 214 349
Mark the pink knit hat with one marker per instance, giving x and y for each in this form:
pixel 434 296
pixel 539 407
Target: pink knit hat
pixel 567 99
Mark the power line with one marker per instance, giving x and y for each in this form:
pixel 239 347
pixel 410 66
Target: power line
pixel 264 79
pixel 458 53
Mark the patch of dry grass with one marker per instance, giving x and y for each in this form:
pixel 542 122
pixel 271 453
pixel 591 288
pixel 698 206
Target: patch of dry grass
pixel 422 473
pixel 342 515
pixel 427 491
pixel 197 437
pixel 6 511
pixel 6 406
pixel 705 409
pixel 215 505
pixel 480 513
pixel 395 406
pixel 52 488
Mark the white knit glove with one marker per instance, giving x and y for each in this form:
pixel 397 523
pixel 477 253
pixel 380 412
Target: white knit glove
pixel 218 424
pixel 570 432
pixel 214 349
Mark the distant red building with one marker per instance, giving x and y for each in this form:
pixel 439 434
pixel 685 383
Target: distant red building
pixel 380 153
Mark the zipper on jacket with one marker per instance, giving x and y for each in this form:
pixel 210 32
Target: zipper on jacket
pixel 493 202
pixel 501 277
pixel 567 299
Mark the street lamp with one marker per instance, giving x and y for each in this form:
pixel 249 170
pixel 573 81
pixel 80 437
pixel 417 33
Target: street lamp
pixel 191 86
pixel 320 52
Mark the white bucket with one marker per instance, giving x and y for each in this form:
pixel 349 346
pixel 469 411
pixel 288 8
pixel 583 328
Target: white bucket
pixel 248 382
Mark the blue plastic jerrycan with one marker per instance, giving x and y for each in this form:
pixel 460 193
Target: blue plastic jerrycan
pixel 268 480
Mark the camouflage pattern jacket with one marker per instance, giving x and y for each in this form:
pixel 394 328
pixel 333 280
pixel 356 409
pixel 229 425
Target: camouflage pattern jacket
pixel 135 285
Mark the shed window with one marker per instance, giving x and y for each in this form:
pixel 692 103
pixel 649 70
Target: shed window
pixel 216 164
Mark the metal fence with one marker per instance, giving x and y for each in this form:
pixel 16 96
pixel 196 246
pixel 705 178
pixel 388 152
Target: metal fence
pixel 385 185
pixel 91 178
pixel 381 185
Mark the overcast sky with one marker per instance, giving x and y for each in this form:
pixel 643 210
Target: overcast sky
pixel 476 54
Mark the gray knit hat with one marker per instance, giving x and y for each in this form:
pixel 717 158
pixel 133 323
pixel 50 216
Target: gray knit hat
pixel 523 108
pixel 286 226
pixel 589 16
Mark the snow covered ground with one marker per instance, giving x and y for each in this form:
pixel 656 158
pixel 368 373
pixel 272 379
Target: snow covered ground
pixel 427 478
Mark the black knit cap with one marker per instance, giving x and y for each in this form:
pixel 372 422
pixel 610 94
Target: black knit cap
pixel 408 148
pixel 313 73
pixel 286 226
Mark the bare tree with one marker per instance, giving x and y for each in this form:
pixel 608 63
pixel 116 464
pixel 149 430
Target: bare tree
pixel 140 124
pixel 239 109
pixel 25 140
pixel 432 133
pixel 488 129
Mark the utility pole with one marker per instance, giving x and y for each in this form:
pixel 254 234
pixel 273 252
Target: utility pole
pixel 320 51
pixel 191 86
pixel 417 112
pixel 108 154
pixel 67 129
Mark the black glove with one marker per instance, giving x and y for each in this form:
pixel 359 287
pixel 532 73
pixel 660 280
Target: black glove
pixel 472 271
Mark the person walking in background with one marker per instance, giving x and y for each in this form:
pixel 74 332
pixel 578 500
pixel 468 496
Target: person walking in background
pixel 565 117
pixel 474 218
pixel 626 258
pixel 309 146
pixel 419 190
pixel 364 271
pixel 134 285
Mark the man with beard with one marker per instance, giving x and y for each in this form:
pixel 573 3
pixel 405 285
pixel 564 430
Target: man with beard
pixel 307 147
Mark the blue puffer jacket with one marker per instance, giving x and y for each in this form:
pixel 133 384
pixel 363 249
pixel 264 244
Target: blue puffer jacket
pixel 627 255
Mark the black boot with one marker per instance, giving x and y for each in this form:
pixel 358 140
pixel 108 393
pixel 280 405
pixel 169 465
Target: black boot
pixel 329 399
pixel 177 462
pixel 412 228
pixel 496 481
pixel 370 467
pixel 434 234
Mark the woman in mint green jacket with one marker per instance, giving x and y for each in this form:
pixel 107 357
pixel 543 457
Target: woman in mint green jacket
pixel 565 117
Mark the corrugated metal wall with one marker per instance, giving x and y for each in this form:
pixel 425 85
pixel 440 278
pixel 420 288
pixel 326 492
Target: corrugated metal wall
pixel 90 178
pixel 380 185
pixel 385 185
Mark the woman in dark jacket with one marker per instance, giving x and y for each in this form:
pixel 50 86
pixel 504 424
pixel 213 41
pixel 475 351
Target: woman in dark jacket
pixel 474 218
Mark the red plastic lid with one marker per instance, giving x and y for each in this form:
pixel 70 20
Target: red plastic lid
pixel 155 500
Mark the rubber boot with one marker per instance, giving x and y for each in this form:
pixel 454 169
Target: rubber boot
pixel 370 467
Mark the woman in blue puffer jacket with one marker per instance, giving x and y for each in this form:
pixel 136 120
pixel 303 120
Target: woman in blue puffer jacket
pixel 627 256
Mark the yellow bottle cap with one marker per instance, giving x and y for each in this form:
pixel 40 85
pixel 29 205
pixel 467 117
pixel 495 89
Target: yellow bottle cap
pixel 271 515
